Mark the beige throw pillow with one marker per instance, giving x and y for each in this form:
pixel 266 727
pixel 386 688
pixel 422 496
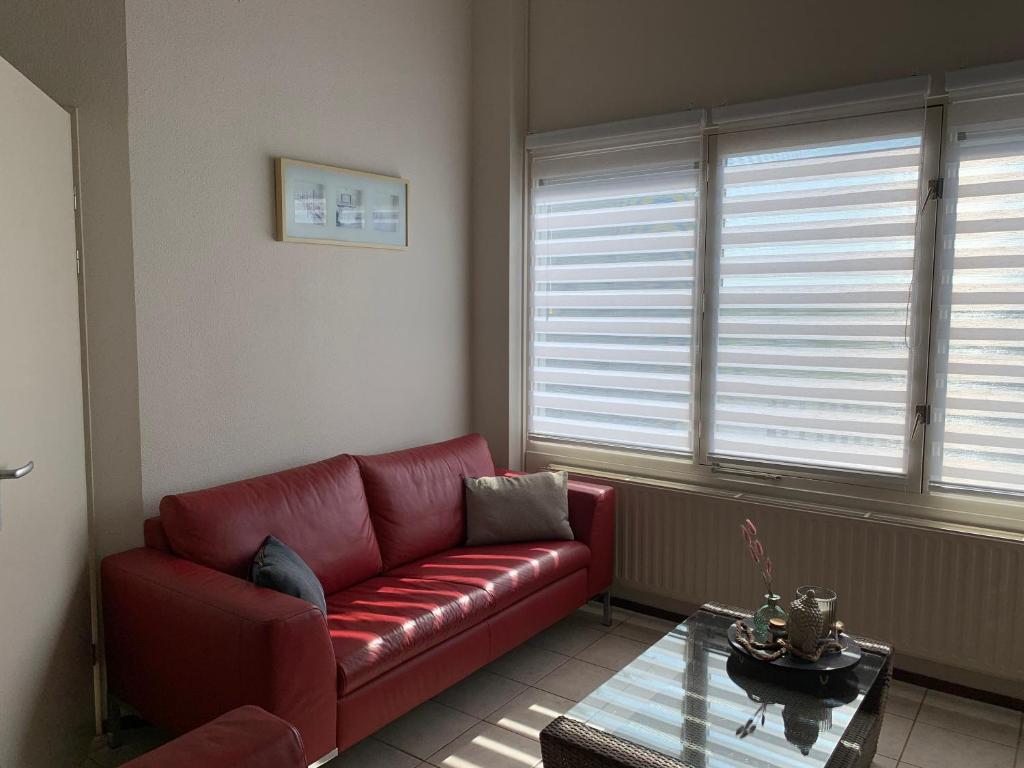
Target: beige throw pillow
pixel 502 510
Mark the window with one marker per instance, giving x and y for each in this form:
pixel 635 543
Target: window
pixel 810 286
pixel 613 253
pixel 823 291
pixel 978 382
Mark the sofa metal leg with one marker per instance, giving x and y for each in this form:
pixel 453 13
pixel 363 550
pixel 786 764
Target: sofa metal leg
pixel 112 726
pixel 325 759
pixel 606 599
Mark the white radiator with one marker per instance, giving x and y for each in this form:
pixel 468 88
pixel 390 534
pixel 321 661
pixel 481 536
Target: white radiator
pixel 953 599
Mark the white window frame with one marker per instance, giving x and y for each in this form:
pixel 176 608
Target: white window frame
pixel 919 320
pixel 987 85
pixel 625 135
pixel 840 492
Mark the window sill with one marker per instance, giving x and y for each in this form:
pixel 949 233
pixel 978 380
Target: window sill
pixel 966 515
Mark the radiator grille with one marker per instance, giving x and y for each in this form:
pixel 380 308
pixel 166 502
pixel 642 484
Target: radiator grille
pixel 944 597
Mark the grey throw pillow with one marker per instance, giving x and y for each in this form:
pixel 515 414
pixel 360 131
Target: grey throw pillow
pixel 277 566
pixel 502 510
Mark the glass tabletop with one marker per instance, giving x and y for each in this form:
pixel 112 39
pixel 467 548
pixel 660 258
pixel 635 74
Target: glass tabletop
pixel 690 697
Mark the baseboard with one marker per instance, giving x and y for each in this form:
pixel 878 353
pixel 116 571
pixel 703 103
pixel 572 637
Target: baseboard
pixel 924 672
pixel 648 610
pixel 959 682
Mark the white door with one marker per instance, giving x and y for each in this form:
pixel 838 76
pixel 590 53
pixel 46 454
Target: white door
pixel 45 632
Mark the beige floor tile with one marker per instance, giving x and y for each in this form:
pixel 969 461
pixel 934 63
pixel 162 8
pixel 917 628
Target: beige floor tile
pixel 527 664
pixel 974 718
pixel 488 746
pixel 612 652
pixel 893 739
pixel 883 762
pixel 529 712
pixel 646 629
pixel 1020 754
pixel 480 694
pixel 371 753
pixel 904 699
pixel 930 746
pixel 425 729
pixel 575 680
pixel 568 637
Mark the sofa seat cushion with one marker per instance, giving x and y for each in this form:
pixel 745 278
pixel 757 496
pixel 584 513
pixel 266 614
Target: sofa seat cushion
pixel 507 572
pixel 376 625
pixel 416 496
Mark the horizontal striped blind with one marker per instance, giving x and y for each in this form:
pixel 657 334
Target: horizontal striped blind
pixel 978 385
pixel 612 297
pixel 813 267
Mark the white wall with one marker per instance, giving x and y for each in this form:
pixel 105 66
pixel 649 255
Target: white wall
pixel 256 355
pixel 499 121
pixel 592 61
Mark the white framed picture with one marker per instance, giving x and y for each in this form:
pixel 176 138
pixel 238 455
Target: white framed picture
pixel 325 204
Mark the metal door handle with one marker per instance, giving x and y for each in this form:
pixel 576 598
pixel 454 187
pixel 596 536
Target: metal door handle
pixel 14 474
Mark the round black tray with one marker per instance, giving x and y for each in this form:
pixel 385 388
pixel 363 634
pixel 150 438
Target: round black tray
pixel 829 662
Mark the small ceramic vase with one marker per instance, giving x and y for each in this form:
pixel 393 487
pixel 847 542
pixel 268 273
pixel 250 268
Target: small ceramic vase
pixel 805 623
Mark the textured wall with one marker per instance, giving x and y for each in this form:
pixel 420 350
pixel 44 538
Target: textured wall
pixel 592 61
pixel 499 122
pixel 256 355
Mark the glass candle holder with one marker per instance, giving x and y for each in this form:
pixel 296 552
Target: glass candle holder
pixel 826 599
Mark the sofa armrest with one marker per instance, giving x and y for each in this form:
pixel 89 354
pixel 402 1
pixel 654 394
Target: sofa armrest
pixel 185 644
pixel 592 518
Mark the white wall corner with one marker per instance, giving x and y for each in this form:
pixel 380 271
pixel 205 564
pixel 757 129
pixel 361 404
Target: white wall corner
pixel 499 119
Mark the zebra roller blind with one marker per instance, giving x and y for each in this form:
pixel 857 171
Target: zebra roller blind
pixel 812 257
pixel 611 315
pixel 977 440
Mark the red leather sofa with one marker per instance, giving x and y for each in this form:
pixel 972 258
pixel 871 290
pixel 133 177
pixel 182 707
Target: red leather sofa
pixel 247 737
pixel 411 610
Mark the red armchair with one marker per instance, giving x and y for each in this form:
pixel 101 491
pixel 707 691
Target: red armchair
pixel 247 737
pixel 411 610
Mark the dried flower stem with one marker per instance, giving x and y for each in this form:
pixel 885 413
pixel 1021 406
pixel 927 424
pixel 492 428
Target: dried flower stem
pixel 757 554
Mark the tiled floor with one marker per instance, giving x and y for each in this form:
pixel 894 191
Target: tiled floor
pixel 493 718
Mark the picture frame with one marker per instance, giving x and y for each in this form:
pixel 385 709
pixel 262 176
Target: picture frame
pixel 329 205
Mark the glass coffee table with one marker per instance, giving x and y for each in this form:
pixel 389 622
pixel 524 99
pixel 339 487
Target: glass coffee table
pixel 690 700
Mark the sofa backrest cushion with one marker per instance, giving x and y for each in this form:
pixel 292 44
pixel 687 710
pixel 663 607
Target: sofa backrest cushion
pixel 416 496
pixel 318 510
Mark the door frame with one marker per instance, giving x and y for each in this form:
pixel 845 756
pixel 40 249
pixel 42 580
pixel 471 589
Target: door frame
pixel 76 192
